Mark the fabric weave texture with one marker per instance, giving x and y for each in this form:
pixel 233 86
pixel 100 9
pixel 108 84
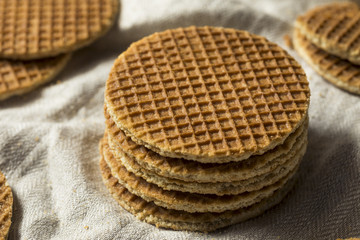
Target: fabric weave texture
pixel 49 139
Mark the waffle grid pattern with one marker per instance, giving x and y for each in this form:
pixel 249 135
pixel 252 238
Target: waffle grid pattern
pixel 6 202
pixel 35 28
pixel 208 90
pixel 338 24
pixel 190 202
pixel 15 75
pixel 181 220
pixel 262 178
pixel 337 67
pixel 195 171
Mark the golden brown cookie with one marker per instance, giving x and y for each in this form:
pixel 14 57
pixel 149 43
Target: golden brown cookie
pixel 190 202
pixel 341 73
pixel 19 77
pixel 181 220
pixel 335 28
pixel 193 171
pixel 207 94
pixel 275 173
pixel 32 29
pixel 6 205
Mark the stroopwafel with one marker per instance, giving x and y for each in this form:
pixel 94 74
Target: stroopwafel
pixel 6 205
pixel 205 127
pixel 335 28
pixel 275 173
pixel 19 77
pixel 190 202
pixel 340 72
pixel 193 171
pixel 181 220
pixel 207 94
pixel 32 29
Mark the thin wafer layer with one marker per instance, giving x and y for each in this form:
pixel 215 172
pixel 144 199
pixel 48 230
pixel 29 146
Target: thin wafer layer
pixel 193 171
pixel 342 73
pixel 190 202
pixel 19 77
pixel 218 188
pixel 31 29
pixel 181 220
pixel 334 27
pixel 6 202
pixel 207 94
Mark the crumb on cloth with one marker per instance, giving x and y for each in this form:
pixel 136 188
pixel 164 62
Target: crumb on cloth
pixel 288 41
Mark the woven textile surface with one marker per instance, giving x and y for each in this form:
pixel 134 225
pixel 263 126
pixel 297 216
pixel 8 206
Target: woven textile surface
pixel 49 139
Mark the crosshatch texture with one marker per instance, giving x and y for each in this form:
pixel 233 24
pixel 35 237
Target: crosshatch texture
pixel 18 77
pixel 190 202
pixel 6 205
pixel 335 28
pixel 187 170
pixel 56 181
pixel 32 29
pixel 207 94
pixel 340 72
pixel 277 169
pixel 182 220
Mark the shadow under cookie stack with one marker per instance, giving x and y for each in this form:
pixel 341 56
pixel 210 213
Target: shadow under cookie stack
pixel 205 127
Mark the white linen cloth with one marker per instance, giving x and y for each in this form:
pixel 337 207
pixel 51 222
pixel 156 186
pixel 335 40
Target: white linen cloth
pixel 49 139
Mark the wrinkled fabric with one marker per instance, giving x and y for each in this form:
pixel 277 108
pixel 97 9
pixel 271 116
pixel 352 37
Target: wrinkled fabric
pixel 49 139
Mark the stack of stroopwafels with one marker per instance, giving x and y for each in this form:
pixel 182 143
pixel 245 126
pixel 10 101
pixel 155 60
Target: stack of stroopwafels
pixel 205 127
pixel 37 37
pixel 328 38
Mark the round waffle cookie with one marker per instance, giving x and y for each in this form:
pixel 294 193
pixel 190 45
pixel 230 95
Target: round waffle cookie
pixel 334 27
pixel 6 203
pixel 31 29
pixel 340 72
pixel 276 173
pixel 207 94
pixel 181 220
pixel 190 202
pixel 192 171
pixel 19 77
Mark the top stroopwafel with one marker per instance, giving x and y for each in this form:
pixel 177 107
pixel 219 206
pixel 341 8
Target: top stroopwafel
pixel 207 94
pixel 6 202
pixel 335 28
pixel 31 29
